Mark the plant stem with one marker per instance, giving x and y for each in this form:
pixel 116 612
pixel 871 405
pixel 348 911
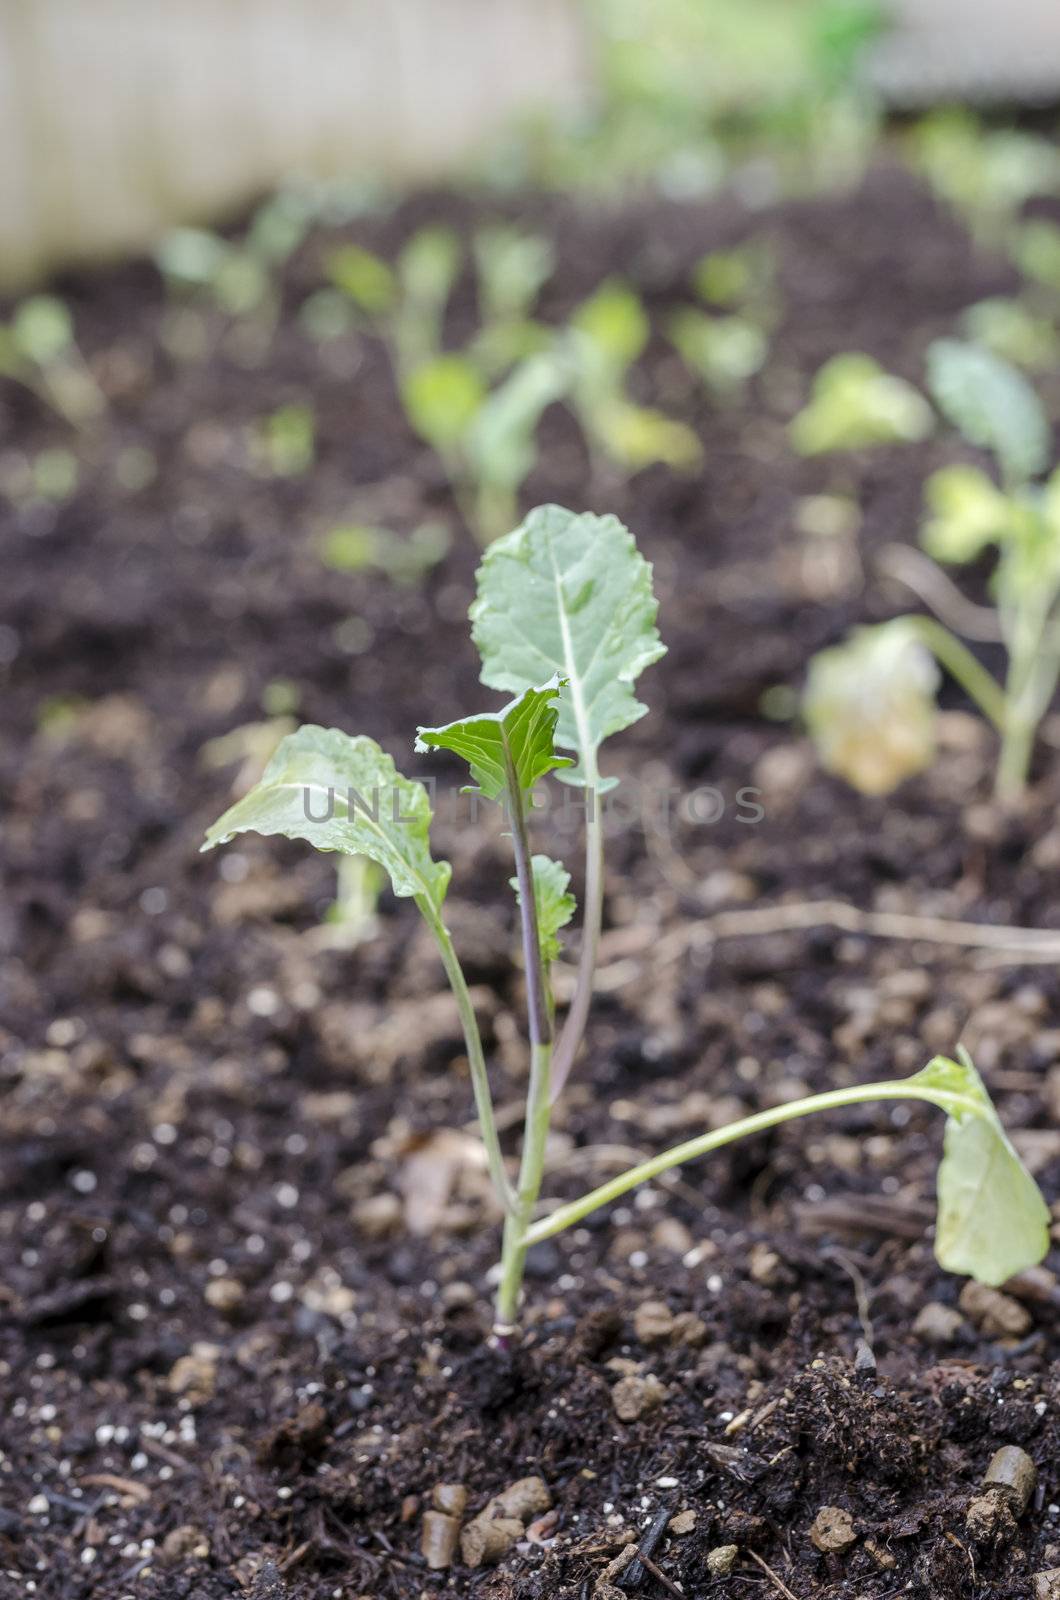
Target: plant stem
pixel 592 916
pixel 476 1059
pixel 977 683
pixel 531 1170
pixel 567 1215
pixel 539 1020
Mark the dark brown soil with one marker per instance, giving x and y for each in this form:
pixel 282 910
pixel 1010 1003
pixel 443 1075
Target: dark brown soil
pixel 231 1364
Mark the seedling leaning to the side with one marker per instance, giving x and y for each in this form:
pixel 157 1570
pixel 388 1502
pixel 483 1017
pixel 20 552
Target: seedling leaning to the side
pixel 565 621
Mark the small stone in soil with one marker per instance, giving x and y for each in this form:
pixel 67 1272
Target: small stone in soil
pixel 996 1315
pixel 833 1530
pixel 485 1540
pixel 438 1539
pixel 634 1397
pixel 937 1324
pixel 989 1519
pixel 683 1523
pixel 524 1499
pixel 722 1559
pixel 450 1498
pixel 653 1322
pixel 1012 1472
pixel 224 1295
pixel 1047 1584
pixel 182 1543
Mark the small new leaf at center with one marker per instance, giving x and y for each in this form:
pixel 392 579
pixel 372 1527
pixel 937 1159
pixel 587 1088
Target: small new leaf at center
pixel 515 744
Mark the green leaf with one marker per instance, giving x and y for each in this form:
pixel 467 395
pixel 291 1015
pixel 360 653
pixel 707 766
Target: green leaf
pixel 992 404
pixel 615 322
pixel 555 906
pixel 639 436
pixel 1013 332
pixel 365 277
pixel 343 793
pixel 992 1219
pixel 855 403
pixel 501 443
pixel 515 744
pixel 869 704
pixel 968 513
pixel 723 351
pixel 512 266
pixel 569 594
pixel 442 397
pixel 1037 251
pixel 428 266
pixel 42 329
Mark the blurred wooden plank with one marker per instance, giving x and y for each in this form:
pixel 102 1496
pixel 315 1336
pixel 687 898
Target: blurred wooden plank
pixel 977 50
pixel 120 118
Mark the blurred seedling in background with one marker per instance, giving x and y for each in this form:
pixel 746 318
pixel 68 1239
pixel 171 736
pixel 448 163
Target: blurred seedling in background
pixel 358 547
pixel 727 344
pixel 284 443
pixel 606 335
pixel 1014 330
pixel 564 620
pixel 238 279
pixel 986 175
pixel 511 268
pixel 870 702
pixel 38 350
pixel 855 404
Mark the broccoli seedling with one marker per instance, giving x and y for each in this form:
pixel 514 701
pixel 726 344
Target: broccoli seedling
pixel 867 704
pixel 38 349
pixel 564 620
pixel 855 404
pixel 607 333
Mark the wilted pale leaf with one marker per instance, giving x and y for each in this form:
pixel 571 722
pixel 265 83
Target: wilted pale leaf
pixel 513 746
pixel 569 594
pixel 869 705
pixel 992 1219
pixel 343 793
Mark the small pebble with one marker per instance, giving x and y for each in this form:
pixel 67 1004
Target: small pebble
pixel 224 1294
pixel 722 1559
pixel 683 1523
pixel 996 1315
pixel 653 1322
pixel 635 1397
pixel 438 1539
pixel 485 1540
pixel 1012 1472
pixel 937 1324
pixel 1047 1584
pixel 524 1499
pixel 833 1530
pixel 450 1498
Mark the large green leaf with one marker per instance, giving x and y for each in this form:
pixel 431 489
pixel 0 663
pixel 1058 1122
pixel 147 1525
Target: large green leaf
pixel 992 404
pixel 992 1219
pixel 569 594
pixel 513 746
pixel 555 906
pixel 343 793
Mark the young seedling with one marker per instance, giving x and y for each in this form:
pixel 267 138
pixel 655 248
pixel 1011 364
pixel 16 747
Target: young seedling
pixel 606 335
pixel 869 701
pixel 511 268
pixel 855 404
pixel 565 620
pixel 38 349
